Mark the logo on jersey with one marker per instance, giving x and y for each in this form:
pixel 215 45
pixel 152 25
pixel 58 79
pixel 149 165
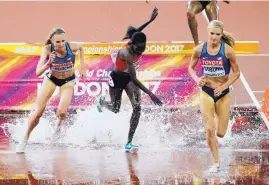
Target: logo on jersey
pixel 213 68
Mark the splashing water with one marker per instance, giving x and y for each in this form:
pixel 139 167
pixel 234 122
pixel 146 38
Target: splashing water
pixel 90 129
pixel 157 129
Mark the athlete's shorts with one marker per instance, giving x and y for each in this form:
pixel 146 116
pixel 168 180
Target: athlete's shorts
pixel 210 92
pixel 60 82
pixel 119 79
pixel 204 3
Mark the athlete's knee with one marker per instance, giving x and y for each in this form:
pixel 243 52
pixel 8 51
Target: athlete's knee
pixel 210 135
pixel 35 118
pixel 137 109
pixel 221 134
pixel 136 112
pixel 223 129
pixel 61 114
pixel 208 119
pixel 116 107
pixel 210 132
pixel 190 14
pixel 37 114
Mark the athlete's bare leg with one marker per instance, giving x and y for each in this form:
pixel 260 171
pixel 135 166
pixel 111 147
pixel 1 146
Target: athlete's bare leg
pixel 66 94
pixel 194 7
pixel 223 114
pixel 47 89
pixel 208 111
pixel 212 11
pixel 115 103
pixel 134 95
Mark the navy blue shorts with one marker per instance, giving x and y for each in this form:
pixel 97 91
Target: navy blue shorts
pixel 210 92
pixel 60 82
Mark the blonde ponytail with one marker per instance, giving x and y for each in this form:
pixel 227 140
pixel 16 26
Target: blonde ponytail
pixel 226 37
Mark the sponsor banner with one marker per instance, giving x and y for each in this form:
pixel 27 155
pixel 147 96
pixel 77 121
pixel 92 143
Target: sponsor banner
pixel 163 71
pixel 165 75
pixel 170 48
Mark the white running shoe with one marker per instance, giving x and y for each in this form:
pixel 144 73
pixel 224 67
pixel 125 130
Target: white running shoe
pixel 21 146
pixel 215 168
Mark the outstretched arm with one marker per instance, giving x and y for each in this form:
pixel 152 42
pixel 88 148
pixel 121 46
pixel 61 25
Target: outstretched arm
pixel 126 56
pixel 129 59
pixel 152 18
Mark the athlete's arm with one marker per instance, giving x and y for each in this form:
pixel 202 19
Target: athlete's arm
pixel 81 59
pixel 41 65
pixel 234 65
pixel 79 47
pixel 152 18
pixel 194 59
pixel 125 55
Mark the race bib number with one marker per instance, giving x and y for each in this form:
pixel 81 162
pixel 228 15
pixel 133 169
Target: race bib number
pixel 213 68
pixel 214 71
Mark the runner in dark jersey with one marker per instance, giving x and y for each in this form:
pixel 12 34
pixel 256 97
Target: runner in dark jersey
pixel 123 77
pixel 196 7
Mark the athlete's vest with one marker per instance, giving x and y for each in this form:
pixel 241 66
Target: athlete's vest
pixel 121 65
pixel 63 64
pixel 214 65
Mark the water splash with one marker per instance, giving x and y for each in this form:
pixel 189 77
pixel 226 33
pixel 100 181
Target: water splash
pixel 157 128
pixel 90 129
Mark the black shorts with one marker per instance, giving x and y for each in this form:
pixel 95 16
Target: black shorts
pixel 119 79
pixel 204 3
pixel 60 82
pixel 210 92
